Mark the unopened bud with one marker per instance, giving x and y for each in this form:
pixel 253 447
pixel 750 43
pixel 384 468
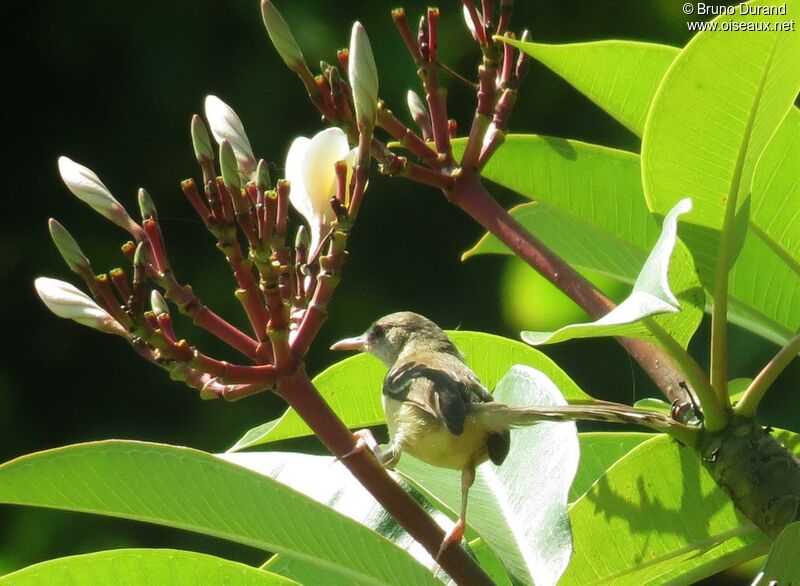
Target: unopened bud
pixel 469 22
pixel 68 248
pixel 263 181
pixel 282 37
pixel 67 301
pixel 418 110
pixel 226 125
pixel 146 205
pixel 87 187
pixel 229 168
pixel 301 239
pixel 363 76
pixel 140 257
pixel 158 303
pixel 201 141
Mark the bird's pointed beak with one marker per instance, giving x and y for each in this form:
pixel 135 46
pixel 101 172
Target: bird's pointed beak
pixel 356 343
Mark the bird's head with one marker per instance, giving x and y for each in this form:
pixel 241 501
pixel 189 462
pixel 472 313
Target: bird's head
pixel 398 333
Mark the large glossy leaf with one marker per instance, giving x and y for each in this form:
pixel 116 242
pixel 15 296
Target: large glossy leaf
pixel 518 508
pixel 781 565
pixel 651 294
pixel 716 109
pixel 599 450
pixel 619 76
pixel 352 386
pixel 327 481
pixel 657 515
pixel 132 567
pixel 775 207
pixel 568 179
pixel 770 305
pixel 193 490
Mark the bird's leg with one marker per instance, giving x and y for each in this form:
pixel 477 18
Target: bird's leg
pixel 365 440
pixel 457 532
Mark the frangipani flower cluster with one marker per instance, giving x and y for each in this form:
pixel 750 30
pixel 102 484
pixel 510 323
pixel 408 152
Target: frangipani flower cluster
pixel 310 169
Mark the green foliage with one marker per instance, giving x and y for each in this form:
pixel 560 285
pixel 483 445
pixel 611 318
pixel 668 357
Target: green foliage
pixel 651 295
pixel 131 567
pixel 656 515
pixel 769 306
pixel 704 139
pixel 352 386
pixel 781 565
pixel 192 490
pixel 566 179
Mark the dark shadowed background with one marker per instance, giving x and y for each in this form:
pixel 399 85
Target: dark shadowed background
pixel 113 86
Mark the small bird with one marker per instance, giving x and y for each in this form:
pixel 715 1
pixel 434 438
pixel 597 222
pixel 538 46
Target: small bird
pixel 432 402
pixel 439 412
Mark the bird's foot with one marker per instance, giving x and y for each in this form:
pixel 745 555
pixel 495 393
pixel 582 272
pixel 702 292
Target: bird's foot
pixel 364 440
pixel 455 535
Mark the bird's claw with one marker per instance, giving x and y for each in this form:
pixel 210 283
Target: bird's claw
pixel 455 535
pixel 364 440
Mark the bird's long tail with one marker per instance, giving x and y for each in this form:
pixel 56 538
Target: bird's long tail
pixel 499 416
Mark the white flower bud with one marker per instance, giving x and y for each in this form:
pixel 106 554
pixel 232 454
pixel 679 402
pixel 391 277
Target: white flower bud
pixel 363 77
pixel 67 301
pixel 226 125
pixel 68 247
pixel 311 172
pixel 87 187
pixel 282 38
pixel 158 303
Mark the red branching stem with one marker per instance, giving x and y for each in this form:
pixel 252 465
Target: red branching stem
pixel 477 23
pixel 301 395
pixel 215 203
pixel 234 373
pixel 488 12
pixel 483 115
pixel 360 174
pixel 190 304
pixel 469 195
pixel 343 55
pixel 401 22
pixel 506 8
pixel 405 136
pixel 189 189
pixel 121 284
pixel 508 63
pixel 158 254
pixel 402 167
pixel 237 392
pixel 282 213
pixel 109 300
pixel 165 324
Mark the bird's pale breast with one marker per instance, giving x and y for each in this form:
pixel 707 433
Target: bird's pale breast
pixel 425 437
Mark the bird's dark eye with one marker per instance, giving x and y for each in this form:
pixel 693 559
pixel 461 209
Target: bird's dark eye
pixel 377 331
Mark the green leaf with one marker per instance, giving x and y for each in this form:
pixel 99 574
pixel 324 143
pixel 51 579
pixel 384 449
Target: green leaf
pixel 651 295
pixel 352 387
pixel 193 490
pixel 718 106
pixel 327 481
pixel 776 193
pixel 781 565
pixel 599 450
pixel 568 179
pixel 609 73
pixel 142 566
pixel 489 562
pixel 657 515
pixel 619 76
pixel 518 508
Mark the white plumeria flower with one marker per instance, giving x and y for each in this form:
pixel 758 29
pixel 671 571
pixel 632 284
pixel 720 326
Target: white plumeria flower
pixel 69 302
pixel 226 125
pixel 87 187
pixel 310 170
